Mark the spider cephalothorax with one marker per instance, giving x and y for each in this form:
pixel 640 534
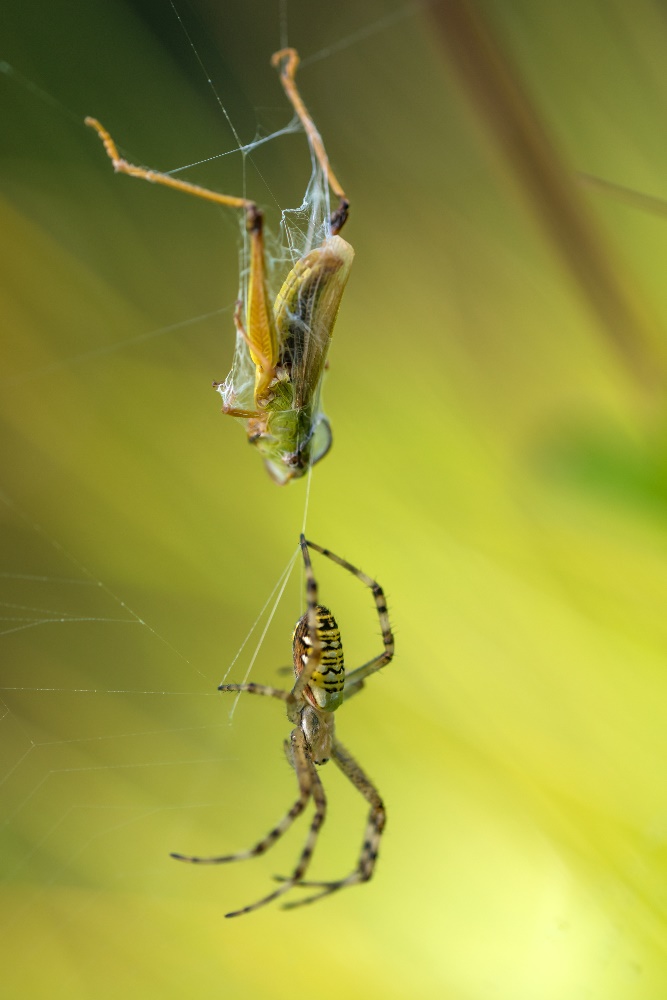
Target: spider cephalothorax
pixel 321 686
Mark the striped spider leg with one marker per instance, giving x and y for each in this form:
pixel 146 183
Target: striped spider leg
pixel 285 343
pixel 320 687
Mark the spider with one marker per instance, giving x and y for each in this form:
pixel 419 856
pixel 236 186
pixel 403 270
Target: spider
pixel 286 344
pixel 321 687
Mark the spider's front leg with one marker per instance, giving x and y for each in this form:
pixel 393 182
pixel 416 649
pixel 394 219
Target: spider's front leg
pixel 305 670
pixel 354 679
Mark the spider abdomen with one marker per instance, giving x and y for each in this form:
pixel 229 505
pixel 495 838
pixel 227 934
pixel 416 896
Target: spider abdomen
pixel 325 688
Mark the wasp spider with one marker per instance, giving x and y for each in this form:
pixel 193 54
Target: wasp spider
pixel 321 686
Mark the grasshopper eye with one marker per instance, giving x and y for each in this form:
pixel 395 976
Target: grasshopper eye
pixel 322 440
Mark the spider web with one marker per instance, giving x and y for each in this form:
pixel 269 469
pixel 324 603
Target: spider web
pixel 141 538
pixel 117 628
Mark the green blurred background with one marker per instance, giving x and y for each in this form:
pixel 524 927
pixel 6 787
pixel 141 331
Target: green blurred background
pixel 497 397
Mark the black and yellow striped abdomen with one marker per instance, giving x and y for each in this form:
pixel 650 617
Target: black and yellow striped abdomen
pixel 325 688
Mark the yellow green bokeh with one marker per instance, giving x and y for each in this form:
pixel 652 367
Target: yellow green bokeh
pixel 499 464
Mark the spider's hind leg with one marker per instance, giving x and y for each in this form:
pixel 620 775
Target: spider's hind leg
pixel 310 787
pixel 375 824
pixel 305 792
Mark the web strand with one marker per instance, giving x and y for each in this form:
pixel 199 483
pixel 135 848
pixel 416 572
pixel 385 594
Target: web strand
pixel 76 768
pixel 207 75
pixel 280 588
pixel 37 528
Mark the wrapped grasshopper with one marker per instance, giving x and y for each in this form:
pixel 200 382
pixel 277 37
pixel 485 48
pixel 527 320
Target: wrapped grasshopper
pixel 275 382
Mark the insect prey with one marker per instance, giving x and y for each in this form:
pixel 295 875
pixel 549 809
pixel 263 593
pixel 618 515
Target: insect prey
pixel 275 383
